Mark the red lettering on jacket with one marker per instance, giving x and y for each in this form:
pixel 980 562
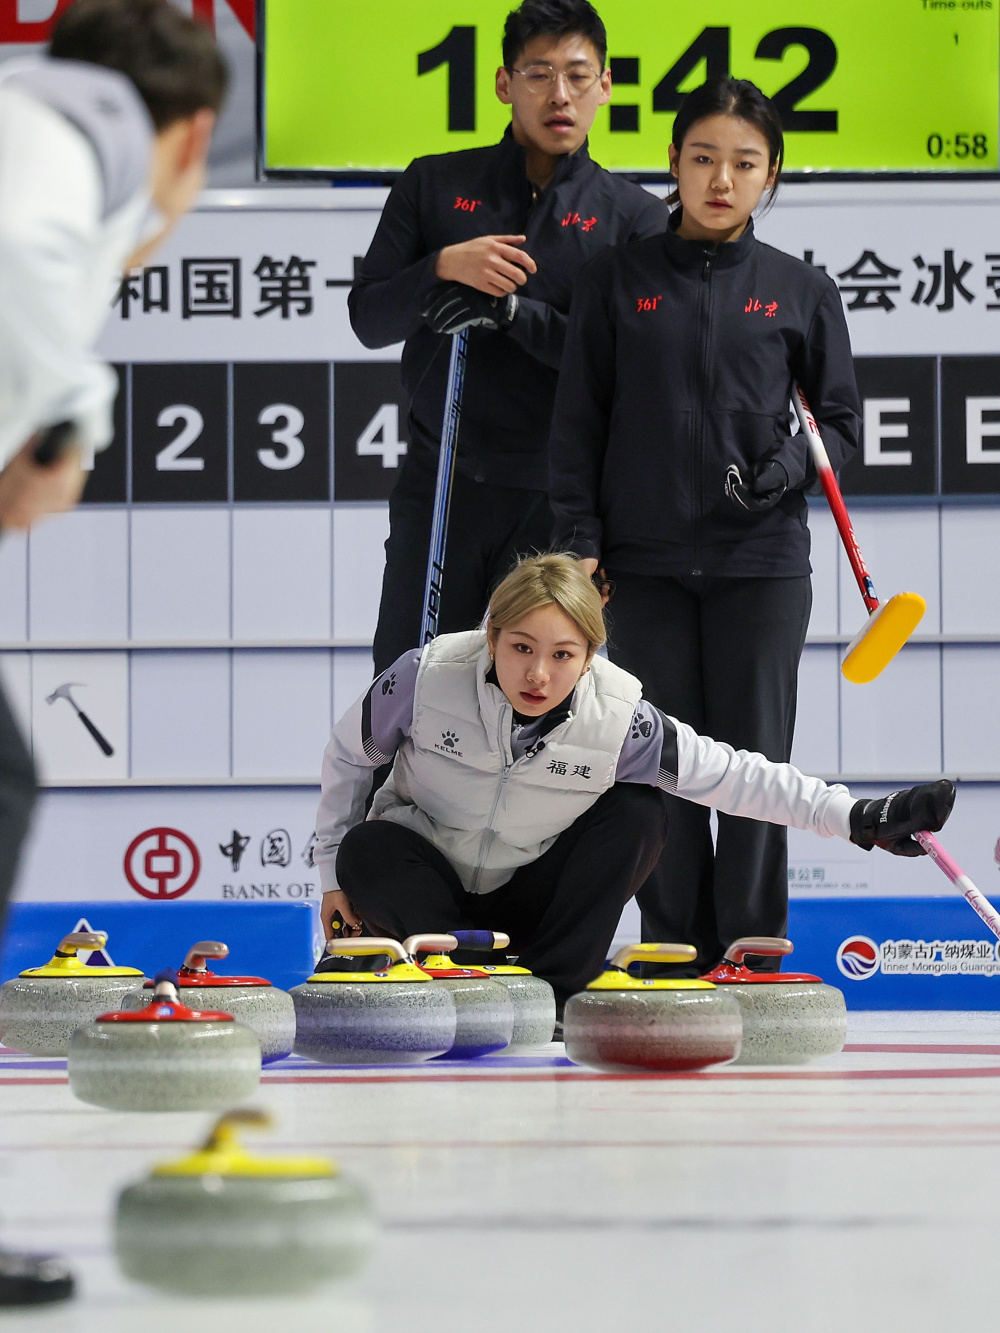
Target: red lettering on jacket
pixel 647 303
pixel 753 305
pixel 467 205
pixel 574 220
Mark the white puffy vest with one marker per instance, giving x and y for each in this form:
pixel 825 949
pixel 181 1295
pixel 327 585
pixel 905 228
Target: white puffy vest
pixel 455 782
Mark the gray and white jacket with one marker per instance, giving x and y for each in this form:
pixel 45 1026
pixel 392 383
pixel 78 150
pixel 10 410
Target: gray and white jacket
pixel 76 144
pixel 493 795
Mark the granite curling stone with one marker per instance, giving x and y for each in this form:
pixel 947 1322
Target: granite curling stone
pixel 534 1000
pixel 252 1001
pixel 484 1010
pixel 41 1008
pixel 788 1017
pixel 165 1057
pixel 621 1022
pixel 224 1222
pixel 394 1017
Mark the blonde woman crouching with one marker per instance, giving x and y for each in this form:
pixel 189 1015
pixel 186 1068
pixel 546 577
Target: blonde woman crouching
pixel 526 793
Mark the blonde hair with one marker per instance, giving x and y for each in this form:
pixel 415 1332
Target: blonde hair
pixel 546 580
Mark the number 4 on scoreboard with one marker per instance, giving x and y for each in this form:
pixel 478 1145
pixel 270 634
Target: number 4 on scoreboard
pixel 380 438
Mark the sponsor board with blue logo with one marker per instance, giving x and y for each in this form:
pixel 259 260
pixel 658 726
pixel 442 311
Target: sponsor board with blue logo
pixel 898 953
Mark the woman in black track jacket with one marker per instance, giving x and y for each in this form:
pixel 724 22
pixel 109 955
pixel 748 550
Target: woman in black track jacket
pixel 673 467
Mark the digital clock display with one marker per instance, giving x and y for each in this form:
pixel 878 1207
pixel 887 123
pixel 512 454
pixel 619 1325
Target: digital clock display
pixel 904 85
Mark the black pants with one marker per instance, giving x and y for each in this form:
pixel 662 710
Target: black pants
pixel 560 911
pixel 17 798
pixel 721 654
pixel 489 528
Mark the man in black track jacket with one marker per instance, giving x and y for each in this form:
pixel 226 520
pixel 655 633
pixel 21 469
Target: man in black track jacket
pixel 492 239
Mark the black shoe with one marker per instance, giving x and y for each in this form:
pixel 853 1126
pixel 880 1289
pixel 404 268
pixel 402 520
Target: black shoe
pixel 33 1279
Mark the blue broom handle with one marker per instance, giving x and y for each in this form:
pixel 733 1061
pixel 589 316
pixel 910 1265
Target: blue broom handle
pixel 442 489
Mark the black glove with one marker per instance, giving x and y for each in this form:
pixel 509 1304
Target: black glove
pixel 454 307
pixel 891 821
pixel 767 485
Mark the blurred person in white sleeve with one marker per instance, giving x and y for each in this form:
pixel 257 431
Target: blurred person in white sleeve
pixel 103 143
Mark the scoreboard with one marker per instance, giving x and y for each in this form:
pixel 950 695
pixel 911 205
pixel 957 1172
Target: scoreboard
pixel 901 86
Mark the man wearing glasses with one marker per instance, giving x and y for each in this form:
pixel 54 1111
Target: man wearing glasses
pixel 492 239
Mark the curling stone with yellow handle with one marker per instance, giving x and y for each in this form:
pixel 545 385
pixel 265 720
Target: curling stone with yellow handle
pixel 534 1000
pixel 621 1022
pixel 165 1057
pixel 484 1010
pixel 225 1222
pixel 788 1017
pixel 41 1008
pixel 395 1017
pixel 252 1001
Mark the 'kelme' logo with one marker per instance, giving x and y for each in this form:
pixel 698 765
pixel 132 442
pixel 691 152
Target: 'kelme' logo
pixel 858 957
pixel 448 744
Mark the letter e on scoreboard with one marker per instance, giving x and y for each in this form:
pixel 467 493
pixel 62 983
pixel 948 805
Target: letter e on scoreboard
pixel 898 453
pixel 970 425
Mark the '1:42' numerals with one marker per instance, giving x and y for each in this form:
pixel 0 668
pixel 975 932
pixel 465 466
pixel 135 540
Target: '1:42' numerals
pixel 457 51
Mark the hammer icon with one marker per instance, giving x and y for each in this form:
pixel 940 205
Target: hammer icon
pixel 63 692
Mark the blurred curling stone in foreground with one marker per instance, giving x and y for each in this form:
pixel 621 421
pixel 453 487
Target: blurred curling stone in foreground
pixel 225 1222
pixel 41 1008
pixel 165 1057
pixel 533 999
pixel 252 1001
pixel 788 1017
pixel 33 1279
pixel 484 1009
pixel 393 1017
pixel 621 1022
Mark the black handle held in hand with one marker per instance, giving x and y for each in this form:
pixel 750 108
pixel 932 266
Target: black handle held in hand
pixel 54 443
pixel 891 821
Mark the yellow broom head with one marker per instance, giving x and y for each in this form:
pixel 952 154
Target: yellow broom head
pixel 881 637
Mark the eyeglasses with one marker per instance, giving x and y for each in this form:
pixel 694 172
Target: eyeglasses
pixel 542 79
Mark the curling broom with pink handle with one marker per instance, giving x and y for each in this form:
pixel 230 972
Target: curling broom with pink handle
pixel 976 900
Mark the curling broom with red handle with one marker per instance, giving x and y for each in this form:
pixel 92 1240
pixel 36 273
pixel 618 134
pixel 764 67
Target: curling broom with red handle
pixel 890 623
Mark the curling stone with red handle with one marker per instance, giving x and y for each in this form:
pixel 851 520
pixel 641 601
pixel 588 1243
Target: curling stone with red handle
pixel 621 1022
pixel 788 1017
pixel 165 1057
pixel 484 1010
pixel 252 1001
pixel 225 1222
pixel 534 1000
pixel 395 1017
pixel 41 1008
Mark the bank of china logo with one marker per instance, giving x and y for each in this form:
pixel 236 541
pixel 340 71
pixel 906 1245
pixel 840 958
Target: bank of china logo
pixel 858 957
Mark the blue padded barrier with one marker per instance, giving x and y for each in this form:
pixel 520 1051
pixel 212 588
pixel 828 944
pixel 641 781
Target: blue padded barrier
pixel 897 953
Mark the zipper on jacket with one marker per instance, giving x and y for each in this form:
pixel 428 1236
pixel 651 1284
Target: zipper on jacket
pixel 704 331
pixel 503 730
